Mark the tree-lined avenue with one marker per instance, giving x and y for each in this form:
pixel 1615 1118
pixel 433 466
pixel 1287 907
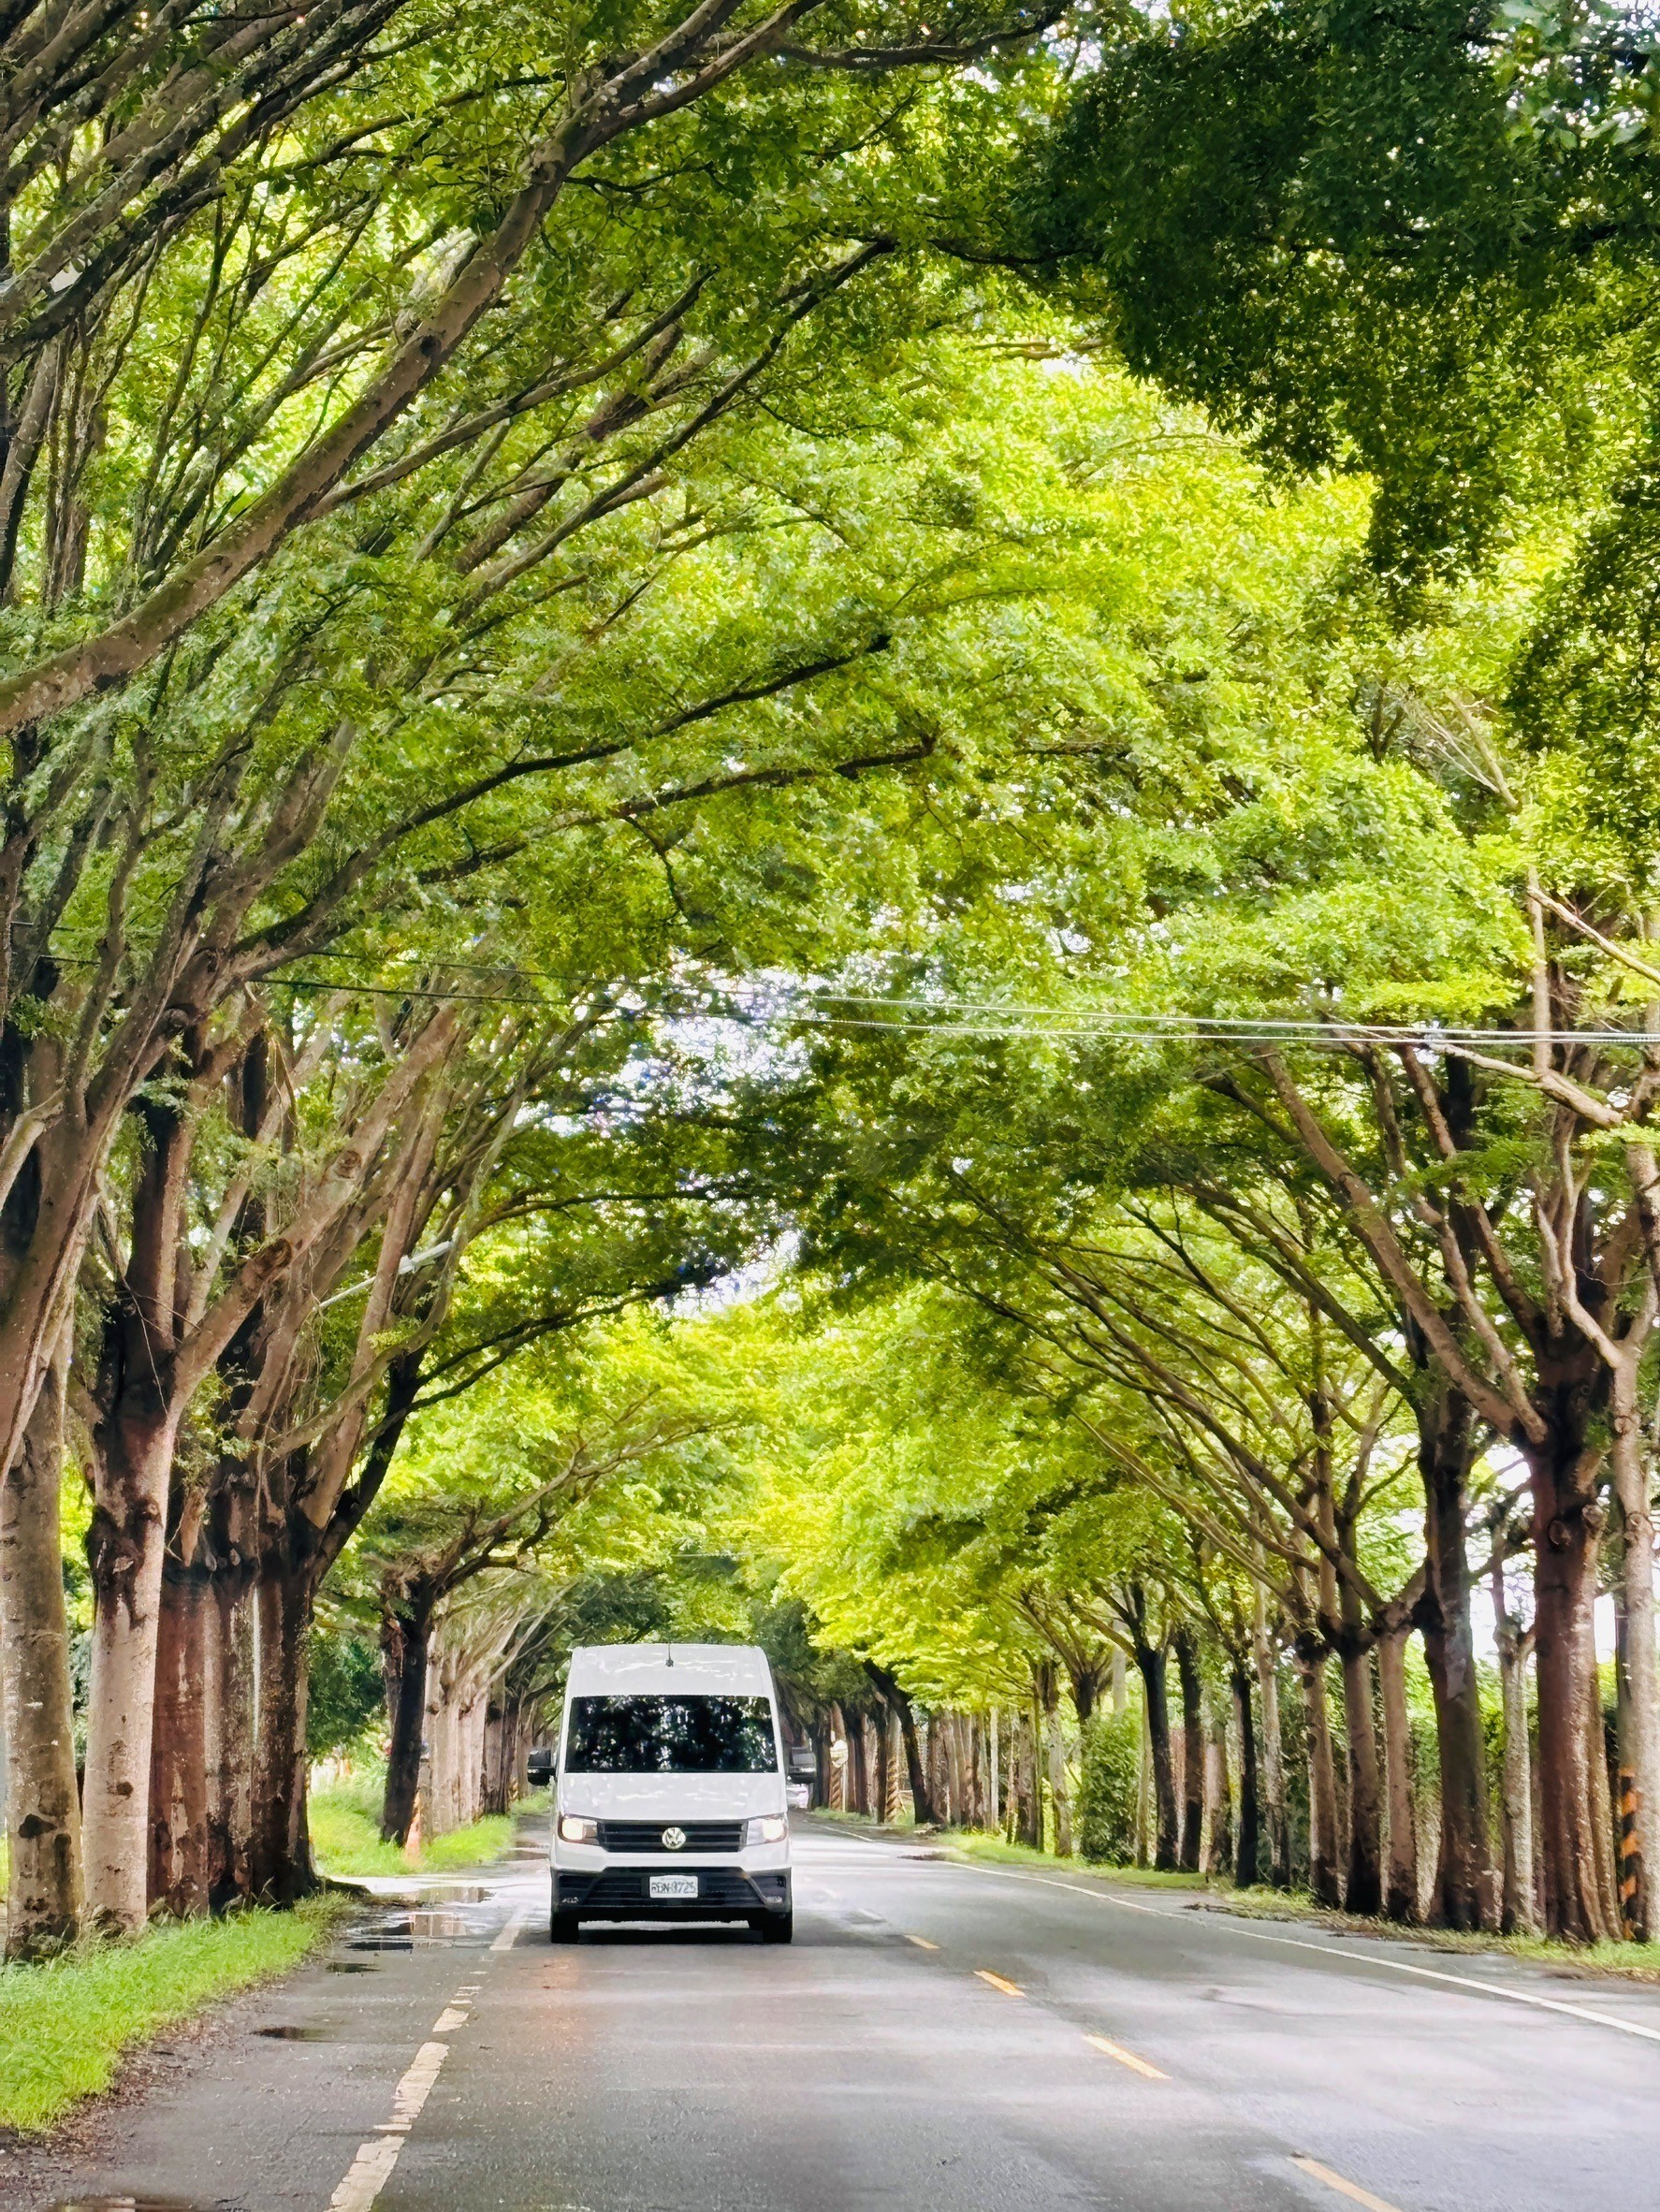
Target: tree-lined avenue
pixel 1132 2053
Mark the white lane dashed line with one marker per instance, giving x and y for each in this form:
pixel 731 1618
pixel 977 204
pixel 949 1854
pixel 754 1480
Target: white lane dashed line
pixel 414 2088
pixel 1352 1958
pixel 371 2169
pixel 509 1935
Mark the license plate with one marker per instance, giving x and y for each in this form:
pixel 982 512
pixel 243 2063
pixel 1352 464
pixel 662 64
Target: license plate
pixel 673 1886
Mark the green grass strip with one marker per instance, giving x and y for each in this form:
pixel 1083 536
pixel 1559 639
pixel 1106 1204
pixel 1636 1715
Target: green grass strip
pixel 345 1835
pixel 65 2025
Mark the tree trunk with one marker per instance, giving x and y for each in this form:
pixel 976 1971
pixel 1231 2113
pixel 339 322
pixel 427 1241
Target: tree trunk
pixel 1465 1891
pixel 1400 1886
pixel 438 1728
pixel 42 1801
pixel 1638 1685
pixel 280 1851
pixel 126 1549
pixel 1323 1788
pixel 1060 1796
pixel 884 1765
pixel 1602 1813
pixel 178 1877
pixel 1217 1856
pixel 956 1769
pixel 229 1692
pixel 1029 1796
pixel 1363 1888
pixel 858 1770
pixel 495 1728
pixel 1565 1529
pixel 921 1806
pixel 1193 1824
pixel 404 1636
pixel 1273 1772
pixel 899 1705
pixel 1248 1844
pixel 1150 1665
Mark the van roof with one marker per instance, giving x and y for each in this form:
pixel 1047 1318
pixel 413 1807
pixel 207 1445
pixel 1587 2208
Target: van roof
pixel 738 1670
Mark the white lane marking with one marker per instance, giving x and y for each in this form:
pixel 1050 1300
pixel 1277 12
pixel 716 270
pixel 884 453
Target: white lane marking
pixel 1116 2050
pixel 1429 1974
pixel 509 1935
pixel 370 2171
pixel 414 2089
pixel 1330 1951
pixel 1350 2189
pixel 1101 1896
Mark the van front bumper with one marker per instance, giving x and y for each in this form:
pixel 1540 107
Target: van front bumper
pixel 624 1893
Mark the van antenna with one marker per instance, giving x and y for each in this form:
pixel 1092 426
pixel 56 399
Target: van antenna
pixel 670 1659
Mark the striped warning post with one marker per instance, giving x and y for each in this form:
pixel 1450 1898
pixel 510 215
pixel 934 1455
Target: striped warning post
pixel 1631 1861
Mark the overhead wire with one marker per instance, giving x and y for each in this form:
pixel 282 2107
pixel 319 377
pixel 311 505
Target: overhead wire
pixel 816 1006
pixel 927 1017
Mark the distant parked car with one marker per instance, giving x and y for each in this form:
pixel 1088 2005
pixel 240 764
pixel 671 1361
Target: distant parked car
pixel 798 1796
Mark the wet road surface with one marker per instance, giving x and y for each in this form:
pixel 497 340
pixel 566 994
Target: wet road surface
pixel 939 2038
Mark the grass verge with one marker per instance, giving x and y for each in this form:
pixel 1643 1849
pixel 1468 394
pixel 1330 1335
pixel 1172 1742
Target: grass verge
pixel 1630 1962
pixel 1211 1893
pixel 65 2025
pixel 346 1840
pixel 992 1851
pixel 975 1845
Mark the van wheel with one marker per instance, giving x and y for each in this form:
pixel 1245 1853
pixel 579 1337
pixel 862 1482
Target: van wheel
pixel 776 1928
pixel 564 1927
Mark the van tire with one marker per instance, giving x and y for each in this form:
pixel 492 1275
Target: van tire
pixel 776 1928
pixel 562 1927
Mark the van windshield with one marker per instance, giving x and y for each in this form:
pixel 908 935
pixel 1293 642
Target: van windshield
pixel 682 1734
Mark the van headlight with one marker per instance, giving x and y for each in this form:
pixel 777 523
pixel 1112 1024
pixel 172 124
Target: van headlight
pixel 772 1828
pixel 574 1829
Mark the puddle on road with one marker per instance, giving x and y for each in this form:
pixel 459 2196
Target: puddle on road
pixel 403 1931
pixel 294 2034
pixel 126 2205
pixel 457 1893
pixel 351 1966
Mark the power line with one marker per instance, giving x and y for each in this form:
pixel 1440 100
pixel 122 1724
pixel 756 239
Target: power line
pixel 816 1008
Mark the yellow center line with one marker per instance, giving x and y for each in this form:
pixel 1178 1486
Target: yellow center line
pixel 1350 2189
pixel 1116 2050
pixel 996 1981
pixel 921 1942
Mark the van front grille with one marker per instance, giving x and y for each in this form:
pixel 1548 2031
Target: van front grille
pixel 624 1893
pixel 648 1836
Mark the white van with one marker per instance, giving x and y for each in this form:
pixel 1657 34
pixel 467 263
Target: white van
pixel 669 1790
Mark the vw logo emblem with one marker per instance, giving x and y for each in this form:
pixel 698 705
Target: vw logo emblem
pixel 674 1839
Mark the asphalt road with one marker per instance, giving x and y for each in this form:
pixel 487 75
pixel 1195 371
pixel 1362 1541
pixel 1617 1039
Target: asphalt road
pixel 939 2038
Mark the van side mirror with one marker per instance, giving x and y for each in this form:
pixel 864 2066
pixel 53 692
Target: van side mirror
pixel 539 1769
